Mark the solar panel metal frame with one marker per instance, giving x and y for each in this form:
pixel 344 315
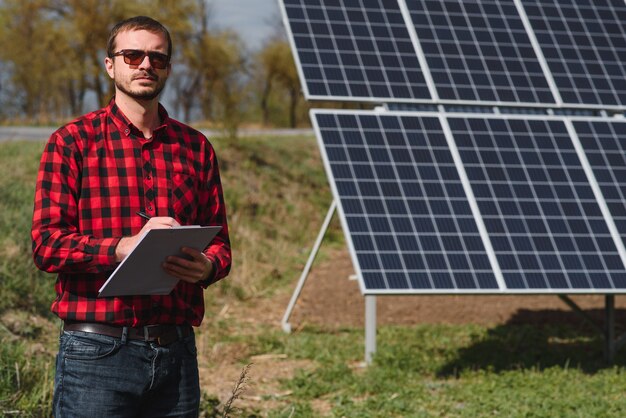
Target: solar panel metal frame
pixel 568 121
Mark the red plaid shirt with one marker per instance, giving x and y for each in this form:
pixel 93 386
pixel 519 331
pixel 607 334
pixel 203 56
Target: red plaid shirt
pixel 95 173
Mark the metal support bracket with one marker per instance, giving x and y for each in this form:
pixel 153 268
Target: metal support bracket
pixel 307 268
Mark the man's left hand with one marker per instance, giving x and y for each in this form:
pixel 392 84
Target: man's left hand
pixel 193 271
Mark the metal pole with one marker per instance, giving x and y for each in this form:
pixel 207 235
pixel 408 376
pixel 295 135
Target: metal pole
pixel 318 242
pixel 609 347
pixel 370 327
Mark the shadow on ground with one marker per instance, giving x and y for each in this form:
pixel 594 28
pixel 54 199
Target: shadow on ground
pixel 541 339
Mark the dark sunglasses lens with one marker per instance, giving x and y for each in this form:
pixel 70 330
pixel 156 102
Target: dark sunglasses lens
pixel 157 60
pixel 134 57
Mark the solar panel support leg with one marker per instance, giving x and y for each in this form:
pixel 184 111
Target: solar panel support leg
pixel 318 242
pixel 609 344
pixel 370 328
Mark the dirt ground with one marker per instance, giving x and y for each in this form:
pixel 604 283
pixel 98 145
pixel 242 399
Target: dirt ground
pixel 331 300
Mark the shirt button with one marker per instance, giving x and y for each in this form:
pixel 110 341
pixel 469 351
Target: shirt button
pixel 126 131
pixel 150 208
pixel 148 178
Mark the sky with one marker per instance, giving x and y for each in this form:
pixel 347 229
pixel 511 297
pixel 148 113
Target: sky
pixel 253 20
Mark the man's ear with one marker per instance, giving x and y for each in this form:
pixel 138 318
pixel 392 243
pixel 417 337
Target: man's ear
pixel 108 65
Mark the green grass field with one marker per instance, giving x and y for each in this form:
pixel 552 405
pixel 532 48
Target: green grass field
pixel 423 370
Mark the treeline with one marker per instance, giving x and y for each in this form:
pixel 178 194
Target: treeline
pixel 52 54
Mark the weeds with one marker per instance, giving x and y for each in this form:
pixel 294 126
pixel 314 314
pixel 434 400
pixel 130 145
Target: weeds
pixel 238 389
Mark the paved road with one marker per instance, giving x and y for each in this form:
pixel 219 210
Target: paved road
pixel 28 133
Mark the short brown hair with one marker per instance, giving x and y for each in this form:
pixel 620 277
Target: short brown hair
pixel 138 23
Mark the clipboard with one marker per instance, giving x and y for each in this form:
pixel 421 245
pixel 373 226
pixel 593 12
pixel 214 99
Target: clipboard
pixel 141 273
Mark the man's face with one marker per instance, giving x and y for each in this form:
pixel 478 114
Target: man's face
pixel 141 81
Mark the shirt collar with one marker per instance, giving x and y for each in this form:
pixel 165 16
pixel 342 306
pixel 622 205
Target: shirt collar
pixel 127 127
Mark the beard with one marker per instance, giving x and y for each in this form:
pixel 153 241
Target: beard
pixel 143 94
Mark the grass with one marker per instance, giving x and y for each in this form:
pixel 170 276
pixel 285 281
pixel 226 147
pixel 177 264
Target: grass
pixel 277 195
pixel 444 370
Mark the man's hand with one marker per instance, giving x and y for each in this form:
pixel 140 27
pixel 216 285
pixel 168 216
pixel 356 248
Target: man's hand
pixel 197 269
pixel 126 244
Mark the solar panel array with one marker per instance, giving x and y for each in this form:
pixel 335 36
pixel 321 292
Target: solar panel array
pixel 544 53
pixel 409 214
pixel 449 202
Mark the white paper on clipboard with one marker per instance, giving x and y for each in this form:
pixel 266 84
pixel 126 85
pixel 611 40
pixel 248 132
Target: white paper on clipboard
pixel 141 272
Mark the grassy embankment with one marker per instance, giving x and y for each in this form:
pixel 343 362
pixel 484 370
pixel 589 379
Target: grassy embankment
pixel 277 195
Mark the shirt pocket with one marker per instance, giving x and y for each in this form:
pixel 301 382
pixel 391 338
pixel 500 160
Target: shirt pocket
pixel 183 195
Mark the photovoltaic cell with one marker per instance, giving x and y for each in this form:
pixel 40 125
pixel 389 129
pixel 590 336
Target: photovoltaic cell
pixel 408 218
pixel 357 49
pixel 543 220
pixel 479 51
pixel 584 43
pixel 604 147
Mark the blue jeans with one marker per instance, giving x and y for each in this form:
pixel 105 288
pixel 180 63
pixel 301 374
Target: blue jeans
pixel 98 376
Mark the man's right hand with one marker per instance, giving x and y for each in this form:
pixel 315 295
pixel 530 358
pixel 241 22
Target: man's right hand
pixel 126 244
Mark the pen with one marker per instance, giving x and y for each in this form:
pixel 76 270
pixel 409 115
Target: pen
pixel 143 215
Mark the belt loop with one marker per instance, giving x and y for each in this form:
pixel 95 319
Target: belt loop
pixel 146 334
pixel 124 335
pixel 179 331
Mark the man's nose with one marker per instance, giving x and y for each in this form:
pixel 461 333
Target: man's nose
pixel 145 63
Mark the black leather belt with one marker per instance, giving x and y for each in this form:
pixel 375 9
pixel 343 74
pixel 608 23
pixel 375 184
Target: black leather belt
pixel 161 334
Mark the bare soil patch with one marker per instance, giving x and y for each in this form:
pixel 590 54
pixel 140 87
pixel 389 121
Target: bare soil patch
pixel 330 299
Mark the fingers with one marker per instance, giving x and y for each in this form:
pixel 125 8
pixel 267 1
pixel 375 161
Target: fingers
pixel 160 222
pixel 197 269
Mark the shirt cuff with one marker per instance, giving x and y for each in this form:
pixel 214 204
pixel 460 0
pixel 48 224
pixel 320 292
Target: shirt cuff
pixel 207 282
pixel 104 252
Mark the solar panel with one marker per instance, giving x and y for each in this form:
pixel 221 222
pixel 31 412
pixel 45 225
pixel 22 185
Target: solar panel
pixel 584 44
pixel 479 51
pixel 409 218
pixel 603 142
pixel 354 49
pixel 544 222
pixel 409 223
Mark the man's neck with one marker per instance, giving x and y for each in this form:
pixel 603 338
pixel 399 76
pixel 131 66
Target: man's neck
pixel 143 114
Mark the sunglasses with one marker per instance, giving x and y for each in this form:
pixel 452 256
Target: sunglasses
pixel 136 57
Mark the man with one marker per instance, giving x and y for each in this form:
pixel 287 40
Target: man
pixel 127 356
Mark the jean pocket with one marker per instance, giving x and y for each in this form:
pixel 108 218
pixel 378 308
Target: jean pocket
pixel 83 346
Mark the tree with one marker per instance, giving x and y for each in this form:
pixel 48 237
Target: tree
pixel 34 50
pixel 212 73
pixel 278 72
pixel 53 52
